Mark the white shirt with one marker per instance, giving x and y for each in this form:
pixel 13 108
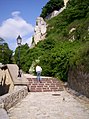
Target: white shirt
pixel 38 68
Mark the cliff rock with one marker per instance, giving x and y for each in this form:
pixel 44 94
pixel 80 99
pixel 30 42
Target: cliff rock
pixel 40 30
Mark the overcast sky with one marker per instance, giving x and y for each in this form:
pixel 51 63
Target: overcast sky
pixel 18 17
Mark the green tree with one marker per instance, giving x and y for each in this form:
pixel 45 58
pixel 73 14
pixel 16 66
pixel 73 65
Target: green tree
pixel 23 56
pixel 5 52
pixel 51 6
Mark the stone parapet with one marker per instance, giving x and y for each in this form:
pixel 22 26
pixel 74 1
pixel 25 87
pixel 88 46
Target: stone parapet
pixel 13 71
pixel 11 99
pixel 9 79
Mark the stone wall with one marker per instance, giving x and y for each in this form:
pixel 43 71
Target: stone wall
pixel 79 81
pixel 9 79
pixel 9 100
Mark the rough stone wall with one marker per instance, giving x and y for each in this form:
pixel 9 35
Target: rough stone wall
pixel 9 100
pixel 79 81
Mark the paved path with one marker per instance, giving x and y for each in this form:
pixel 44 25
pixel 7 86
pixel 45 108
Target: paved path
pixel 50 105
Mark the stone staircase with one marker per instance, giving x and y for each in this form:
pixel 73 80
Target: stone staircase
pixel 46 85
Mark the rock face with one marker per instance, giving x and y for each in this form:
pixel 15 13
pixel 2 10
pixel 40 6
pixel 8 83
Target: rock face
pixel 40 30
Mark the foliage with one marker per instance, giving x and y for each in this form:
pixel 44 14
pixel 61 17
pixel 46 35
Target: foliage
pixel 63 46
pixel 23 57
pixel 51 6
pixel 5 54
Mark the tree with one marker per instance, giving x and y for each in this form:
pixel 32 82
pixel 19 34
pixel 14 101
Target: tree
pixel 51 6
pixel 5 52
pixel 23 56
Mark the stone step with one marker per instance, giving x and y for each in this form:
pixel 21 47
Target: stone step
pixel 46 85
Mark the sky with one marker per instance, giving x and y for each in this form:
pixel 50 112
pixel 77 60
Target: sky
pixel 18 17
